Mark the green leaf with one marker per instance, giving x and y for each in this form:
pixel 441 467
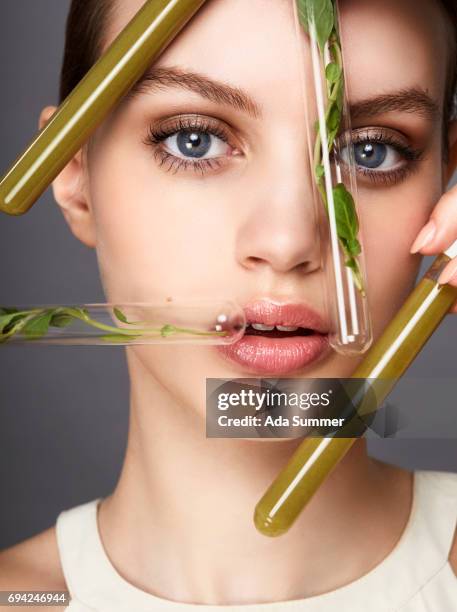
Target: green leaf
pixel 303 13
pixel 333 73
pixel 333 123
pixel 15 323
pixel 347 224
pixel 338 95
pixel 75 312
pixel 320 171
pixel 38 326
pixel 167 330
pixel 321 12
pixel 81 312
pixel 351 263
pixel 354 247
pixel 120 315
pixel 9 327
pixel 7 319
pixel 346 215
pixel 5 310
pixel 61 319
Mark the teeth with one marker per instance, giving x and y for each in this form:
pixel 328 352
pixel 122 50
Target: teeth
pixel 283 328
pixel 260 327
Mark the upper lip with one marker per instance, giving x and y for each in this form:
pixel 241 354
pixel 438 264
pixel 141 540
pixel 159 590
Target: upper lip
pixel 279 313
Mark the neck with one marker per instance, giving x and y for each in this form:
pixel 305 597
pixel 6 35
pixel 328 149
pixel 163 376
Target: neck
pixel 184 504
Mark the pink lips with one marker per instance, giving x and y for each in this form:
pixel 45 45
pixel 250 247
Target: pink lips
pixel 264 355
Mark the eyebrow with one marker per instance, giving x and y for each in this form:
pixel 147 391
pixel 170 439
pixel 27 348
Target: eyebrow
pixel 215 91
pixel 413 100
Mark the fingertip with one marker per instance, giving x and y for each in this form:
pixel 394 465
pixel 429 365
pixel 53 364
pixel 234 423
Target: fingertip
pixel 449 275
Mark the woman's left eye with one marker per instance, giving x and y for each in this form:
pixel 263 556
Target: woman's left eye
pixel 376 155
pixel 371 155
pixel 380 156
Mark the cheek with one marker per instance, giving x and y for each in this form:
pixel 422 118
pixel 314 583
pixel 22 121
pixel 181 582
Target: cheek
pixel 157 232
pixel 161 235
pixel 391 218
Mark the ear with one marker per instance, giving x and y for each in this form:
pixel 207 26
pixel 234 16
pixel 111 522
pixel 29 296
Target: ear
pixel 70 193
pixel 451 165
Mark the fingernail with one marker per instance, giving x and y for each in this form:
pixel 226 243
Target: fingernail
pixel 425 236
pixel 449 274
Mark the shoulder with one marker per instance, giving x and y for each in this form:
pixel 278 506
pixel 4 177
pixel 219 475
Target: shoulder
pixel 446 484
pixel 33 565
pixel 453 554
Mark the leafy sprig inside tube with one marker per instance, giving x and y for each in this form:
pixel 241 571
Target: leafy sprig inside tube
pixel 34 324
pixel 322 13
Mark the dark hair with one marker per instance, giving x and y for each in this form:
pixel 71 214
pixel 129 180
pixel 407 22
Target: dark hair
pixel 88 19
pixel 450 101
pixel 86 22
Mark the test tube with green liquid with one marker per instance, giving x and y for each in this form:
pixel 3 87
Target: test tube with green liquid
pixel 125 61
pixel 384 364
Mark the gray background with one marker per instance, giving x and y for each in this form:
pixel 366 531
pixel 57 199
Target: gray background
pixel 63 410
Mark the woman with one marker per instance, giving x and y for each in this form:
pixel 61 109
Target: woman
pixel 196 186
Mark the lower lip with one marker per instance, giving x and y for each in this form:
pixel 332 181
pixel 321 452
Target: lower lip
pixel 263 355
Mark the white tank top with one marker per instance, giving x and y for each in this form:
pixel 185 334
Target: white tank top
pixel 414 577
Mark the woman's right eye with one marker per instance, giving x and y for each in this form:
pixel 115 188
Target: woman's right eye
pixel 195 144
pixel 192 142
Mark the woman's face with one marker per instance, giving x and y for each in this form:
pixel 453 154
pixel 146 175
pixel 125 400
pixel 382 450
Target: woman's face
pixel 227 212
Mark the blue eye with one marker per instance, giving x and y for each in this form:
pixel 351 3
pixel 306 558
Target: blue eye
pixel 373 155
pixel 369 154
pixel 380 155
pixel 195 144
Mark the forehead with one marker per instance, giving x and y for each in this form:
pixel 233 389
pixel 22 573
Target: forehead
pixel 395 43
pixel 388 45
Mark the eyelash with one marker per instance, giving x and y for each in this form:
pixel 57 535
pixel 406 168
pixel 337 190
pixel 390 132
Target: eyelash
pixel 387 177
pixel 169 162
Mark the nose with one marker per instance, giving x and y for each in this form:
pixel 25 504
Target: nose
pixel 280 225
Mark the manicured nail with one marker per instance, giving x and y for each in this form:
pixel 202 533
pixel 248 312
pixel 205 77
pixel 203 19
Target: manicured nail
pixel 425 236
pixel 449 274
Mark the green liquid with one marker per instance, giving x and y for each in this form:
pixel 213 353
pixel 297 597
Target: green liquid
pixel 385 363
pixel 137 46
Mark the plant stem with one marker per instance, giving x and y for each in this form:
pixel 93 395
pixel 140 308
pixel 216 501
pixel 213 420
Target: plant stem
pixel 82 315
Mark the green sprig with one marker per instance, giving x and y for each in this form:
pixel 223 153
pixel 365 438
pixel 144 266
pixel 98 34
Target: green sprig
pixel 35 323
pixel 322 13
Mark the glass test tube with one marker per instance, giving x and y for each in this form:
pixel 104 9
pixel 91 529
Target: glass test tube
pixel 183 322
pixel 383 366
pixel 333 169
pixel 125 61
